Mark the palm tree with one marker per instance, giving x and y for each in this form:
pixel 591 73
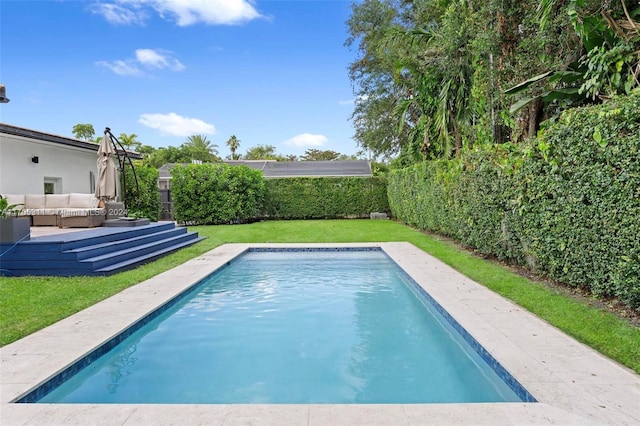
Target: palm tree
pixel 200 148
pixel 436 78
pixel 234 143
pixel 130 142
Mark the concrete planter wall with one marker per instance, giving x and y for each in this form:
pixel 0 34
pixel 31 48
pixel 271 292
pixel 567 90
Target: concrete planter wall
pixel 14 229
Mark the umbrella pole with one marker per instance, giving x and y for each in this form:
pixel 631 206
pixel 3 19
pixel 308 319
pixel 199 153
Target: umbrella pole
pixel 121 163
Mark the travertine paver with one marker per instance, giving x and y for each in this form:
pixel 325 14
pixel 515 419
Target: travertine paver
pixel 574 384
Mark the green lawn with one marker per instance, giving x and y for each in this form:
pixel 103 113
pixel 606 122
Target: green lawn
pixel 28 304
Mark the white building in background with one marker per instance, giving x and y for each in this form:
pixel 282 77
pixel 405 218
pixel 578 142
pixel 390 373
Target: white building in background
pixel 33 162
pixel 283 169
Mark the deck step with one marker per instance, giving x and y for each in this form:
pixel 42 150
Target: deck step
pixel 131 263
pixel 118 256
pixel 100 251
pixel 108 247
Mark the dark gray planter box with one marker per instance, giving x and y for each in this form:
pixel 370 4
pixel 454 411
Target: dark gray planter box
pixel 14 229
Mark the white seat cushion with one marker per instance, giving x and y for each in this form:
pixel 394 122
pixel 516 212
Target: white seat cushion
pixel 57 201
pixel 82 201
pixel 13 199
pixel 34 201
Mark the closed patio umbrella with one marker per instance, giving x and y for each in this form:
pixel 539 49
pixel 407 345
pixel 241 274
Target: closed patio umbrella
pixel 107 175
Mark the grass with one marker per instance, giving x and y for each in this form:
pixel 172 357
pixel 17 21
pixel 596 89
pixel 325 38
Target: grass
pixel 28 304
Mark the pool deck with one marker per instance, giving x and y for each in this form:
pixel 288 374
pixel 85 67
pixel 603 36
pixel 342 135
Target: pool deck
pixel 574 384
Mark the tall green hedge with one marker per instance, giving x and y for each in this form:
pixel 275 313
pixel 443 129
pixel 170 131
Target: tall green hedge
pixel 469 199
pixel 209 194
pixel 566 205
pixel 146 201
pixel 581 205
pixel 324 197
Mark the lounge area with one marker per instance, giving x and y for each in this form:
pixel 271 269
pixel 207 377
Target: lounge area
pixel 74 210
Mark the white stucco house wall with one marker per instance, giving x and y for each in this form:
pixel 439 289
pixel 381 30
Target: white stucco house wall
pixel 34 162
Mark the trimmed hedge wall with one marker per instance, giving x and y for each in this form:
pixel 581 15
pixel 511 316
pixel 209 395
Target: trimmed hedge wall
pixel 566 205
pixel 145 203
pixel 213 194
pixel 324 197
pixel 220 193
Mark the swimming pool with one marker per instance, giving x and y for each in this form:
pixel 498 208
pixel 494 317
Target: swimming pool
pixel 345 342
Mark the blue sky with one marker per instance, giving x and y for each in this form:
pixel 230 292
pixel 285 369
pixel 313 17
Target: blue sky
pixel 269 72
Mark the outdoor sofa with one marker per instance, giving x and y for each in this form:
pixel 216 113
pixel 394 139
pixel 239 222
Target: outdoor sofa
pixel 62 210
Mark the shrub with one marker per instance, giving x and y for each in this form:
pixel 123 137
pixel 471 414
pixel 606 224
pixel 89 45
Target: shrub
pixel 210 194
pixel 324 197
pixel 146 202
pixel 581 198
pixel 566 204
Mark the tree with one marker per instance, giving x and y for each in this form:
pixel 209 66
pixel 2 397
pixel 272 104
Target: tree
pixel 146 150
pixel 319 155
pixel 130 142
pixel 233 143
pixel 434 69
pixel 376 127
pixel 609 65
pixel 262 152
pixel 84 132
pixel 345 157
pixel 201 149
pixel 170 154
pixel 432 77
pixel 371 74
pixel 412 78
pixel 417 72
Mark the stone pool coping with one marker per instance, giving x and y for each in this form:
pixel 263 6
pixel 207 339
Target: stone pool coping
pixel 573 383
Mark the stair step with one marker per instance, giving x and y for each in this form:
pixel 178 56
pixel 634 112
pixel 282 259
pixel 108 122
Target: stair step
pixel 83 268
pixel 106 259
pixel 57 267
pixel 69 241
pixel 99 251
pixel 94 250
pixel 116 234
pixel 131 263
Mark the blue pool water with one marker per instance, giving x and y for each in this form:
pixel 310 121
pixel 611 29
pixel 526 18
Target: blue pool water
pixel 315 326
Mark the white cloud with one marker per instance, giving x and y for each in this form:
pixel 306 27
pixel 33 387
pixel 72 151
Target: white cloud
pixel 213 12
pixel 119 14
pixel 121 67
pixel 306 139
pixel 158 59
pixel 176 125
pixel 183 12
pixel 347 102
pixel 145 58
